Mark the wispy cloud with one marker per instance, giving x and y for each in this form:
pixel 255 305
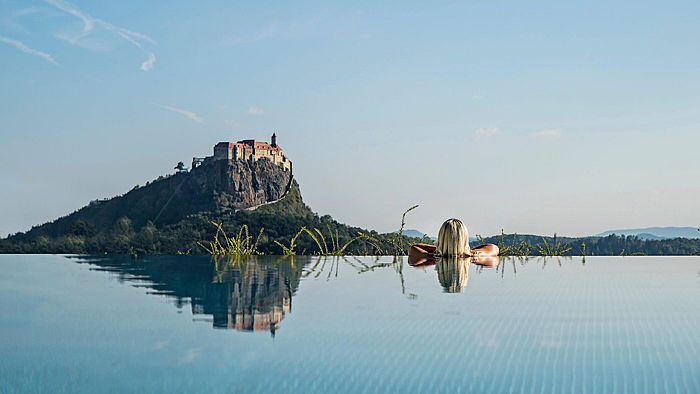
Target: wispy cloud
pixel 191 115
pixel 148 64
pixel 552 133
pixel 20 45
pixel 486 132
pixel 89 24
pixel 255 111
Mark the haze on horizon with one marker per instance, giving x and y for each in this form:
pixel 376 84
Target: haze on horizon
pixel 535 117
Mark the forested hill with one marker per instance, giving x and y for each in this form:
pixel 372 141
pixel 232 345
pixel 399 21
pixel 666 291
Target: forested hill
pixel 217 186
pixel 173 214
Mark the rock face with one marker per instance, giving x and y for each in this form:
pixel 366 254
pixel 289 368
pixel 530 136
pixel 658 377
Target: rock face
pixel 242 184
pixel 219 186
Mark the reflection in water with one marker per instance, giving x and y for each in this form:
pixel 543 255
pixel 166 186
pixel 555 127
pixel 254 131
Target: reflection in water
pixel 255 293
pixel 249 294
pixel 453 273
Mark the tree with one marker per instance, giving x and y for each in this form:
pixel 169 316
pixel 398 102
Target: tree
pixel 82 228
pixel 180 167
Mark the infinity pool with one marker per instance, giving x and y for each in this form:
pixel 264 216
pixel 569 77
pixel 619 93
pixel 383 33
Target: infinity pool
pixel 270 324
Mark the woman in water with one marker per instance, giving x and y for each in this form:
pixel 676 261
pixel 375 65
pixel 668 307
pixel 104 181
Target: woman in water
pixel 452 241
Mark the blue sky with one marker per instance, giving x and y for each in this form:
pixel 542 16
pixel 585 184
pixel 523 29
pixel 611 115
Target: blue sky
pixel 534 117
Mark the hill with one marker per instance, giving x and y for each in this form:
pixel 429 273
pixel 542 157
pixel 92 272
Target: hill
pixel 417 234
pixel 173 213
pixel 219 186
pixel 657 232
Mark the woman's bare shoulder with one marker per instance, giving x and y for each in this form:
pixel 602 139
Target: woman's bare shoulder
pixel 426 248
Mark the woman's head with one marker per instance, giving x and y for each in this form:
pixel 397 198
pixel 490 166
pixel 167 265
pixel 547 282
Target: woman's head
pixel 453 239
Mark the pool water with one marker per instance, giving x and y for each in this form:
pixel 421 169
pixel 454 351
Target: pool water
pixel 365 324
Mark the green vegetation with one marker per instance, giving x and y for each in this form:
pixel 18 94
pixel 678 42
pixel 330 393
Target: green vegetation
pixel 611 245
pixel 281 222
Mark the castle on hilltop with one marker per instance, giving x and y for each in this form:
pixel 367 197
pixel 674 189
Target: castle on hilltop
pixel 252 150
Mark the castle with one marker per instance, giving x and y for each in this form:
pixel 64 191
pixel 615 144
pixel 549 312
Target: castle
pixel 252 150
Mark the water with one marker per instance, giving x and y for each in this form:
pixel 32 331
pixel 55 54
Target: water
pixel 185 324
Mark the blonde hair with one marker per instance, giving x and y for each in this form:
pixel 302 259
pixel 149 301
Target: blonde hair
pixel 453 273
pixel 453 239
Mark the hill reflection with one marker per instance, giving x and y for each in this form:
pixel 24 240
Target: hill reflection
pixel 250 294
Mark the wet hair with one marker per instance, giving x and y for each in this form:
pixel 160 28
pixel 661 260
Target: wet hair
pixel 453 273
pixel 453 239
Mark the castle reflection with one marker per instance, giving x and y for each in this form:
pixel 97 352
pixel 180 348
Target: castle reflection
pixel 248 294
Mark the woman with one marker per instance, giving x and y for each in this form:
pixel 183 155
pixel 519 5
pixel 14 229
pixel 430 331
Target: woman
pixel 452 241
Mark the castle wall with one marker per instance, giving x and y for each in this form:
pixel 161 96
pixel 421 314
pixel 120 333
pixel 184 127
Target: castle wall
pixel 222 152
pixel 251 150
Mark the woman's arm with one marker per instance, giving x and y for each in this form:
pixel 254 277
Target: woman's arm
pixel 421 249
pixel 485 250
pixel 420 253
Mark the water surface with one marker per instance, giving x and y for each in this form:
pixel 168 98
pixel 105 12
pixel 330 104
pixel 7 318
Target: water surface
pixel 184 324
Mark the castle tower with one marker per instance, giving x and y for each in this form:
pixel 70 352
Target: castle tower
pixel 273 141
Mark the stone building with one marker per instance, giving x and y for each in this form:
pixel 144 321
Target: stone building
pixel 252 150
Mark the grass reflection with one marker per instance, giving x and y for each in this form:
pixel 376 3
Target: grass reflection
pixel 330 266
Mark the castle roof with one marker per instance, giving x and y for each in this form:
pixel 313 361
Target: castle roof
pixel 248 144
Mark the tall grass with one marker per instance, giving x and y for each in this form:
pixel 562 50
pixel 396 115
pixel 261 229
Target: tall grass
pixel 328 244
pixel 240 245
pixel 515 248
pixel 335 249
pixel 289 250
pixel 555 250
pixel 523 248
pixel 397 242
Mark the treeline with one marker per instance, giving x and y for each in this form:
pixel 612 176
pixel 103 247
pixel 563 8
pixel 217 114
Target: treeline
pixel 611 245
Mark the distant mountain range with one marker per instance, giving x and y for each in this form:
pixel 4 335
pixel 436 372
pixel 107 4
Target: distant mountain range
pixel 649 233
pixel 418 234
pixel 656 232
pixel 415 234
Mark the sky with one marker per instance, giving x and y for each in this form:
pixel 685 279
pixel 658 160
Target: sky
pixel 535 117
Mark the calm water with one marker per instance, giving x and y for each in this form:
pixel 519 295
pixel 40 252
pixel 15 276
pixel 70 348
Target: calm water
pixel 185 324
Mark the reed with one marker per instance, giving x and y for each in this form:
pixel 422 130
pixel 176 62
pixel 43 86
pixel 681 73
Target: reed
pixel 336 249
pixel 289 251
pixel 397 241
pixel 515 248
pixel 240 245
pixel 546 250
